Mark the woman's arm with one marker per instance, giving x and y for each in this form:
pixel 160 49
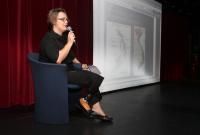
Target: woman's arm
pixel 65 51
pixel 84 66
pixel 75 60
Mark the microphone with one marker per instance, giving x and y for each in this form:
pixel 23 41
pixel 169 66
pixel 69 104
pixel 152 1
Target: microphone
pixel 69 28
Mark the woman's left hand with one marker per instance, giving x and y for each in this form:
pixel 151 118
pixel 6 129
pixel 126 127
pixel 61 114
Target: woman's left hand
pixel 84 66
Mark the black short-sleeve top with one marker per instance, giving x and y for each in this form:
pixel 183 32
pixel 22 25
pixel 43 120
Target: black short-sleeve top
pixel 50 46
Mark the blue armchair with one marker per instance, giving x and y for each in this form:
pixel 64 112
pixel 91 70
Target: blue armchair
pixel 51 87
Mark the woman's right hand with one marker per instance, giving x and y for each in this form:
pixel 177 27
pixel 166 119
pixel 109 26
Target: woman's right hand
pixel 71 37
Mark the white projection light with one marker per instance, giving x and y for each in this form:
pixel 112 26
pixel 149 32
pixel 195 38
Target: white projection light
pixel 127 42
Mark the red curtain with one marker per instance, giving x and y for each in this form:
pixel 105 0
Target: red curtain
pixel 175 46
pixel 23 24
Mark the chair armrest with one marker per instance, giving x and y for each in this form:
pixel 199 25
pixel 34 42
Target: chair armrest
pixel 53 64
pixel 48 71
pixel 77 66
pixel 50 66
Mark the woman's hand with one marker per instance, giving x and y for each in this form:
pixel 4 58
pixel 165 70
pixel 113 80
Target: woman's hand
pixel 84 66
pixel 71 37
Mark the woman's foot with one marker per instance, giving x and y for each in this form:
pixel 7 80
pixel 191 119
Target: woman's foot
pixel 98 113
pixel 85 107
pixel 84 104
pixel 104 118
pixel 98 109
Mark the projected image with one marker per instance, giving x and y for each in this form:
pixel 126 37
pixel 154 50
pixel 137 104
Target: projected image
pixel 127 42
pixel 118 52
pixel 139 51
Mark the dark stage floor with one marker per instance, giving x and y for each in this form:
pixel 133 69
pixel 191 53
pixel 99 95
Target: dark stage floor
pixel 171 108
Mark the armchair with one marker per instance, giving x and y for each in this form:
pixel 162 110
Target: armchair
pixel 51 87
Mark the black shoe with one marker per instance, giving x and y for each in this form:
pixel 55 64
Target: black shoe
pixel 86 112
pixel 105 118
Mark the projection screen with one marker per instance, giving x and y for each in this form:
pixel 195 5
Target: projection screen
pixel 127 42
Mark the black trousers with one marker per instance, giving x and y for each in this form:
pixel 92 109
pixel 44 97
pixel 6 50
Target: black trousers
pixel 87 79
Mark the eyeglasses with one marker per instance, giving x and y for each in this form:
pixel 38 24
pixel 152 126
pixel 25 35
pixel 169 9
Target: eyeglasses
pixel 63 19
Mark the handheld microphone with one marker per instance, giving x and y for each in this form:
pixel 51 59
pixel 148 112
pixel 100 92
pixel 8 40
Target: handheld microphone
pixel 69 28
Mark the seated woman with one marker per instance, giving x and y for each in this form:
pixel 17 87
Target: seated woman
pixel 56 47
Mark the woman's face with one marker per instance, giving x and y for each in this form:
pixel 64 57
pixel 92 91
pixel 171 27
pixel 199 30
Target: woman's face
pixel 61 22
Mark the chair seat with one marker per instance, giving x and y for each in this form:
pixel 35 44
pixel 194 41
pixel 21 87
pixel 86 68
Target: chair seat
pixel 73 86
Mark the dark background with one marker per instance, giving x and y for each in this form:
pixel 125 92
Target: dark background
pixel 23 24
pixel 180 40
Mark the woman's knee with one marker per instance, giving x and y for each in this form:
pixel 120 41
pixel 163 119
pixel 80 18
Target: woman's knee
pixel 98 77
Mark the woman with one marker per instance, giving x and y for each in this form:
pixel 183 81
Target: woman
pixel 56 48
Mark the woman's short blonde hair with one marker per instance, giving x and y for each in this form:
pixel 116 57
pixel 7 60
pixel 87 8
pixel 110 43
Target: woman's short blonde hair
pixel 52 16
